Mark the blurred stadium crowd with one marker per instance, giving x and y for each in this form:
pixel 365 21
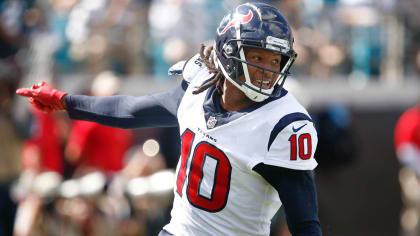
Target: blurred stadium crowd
pixel 94 46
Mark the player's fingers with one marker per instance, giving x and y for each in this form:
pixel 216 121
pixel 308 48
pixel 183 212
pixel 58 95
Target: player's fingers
pixel 26 92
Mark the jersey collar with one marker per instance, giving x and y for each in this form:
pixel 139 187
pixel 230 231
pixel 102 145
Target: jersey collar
pixel 216 116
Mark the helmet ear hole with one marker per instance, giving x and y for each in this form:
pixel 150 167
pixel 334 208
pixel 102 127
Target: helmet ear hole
pixel 229 50
pixel 230 67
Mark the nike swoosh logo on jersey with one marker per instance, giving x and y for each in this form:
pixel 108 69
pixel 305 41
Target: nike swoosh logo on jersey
pixel 296 130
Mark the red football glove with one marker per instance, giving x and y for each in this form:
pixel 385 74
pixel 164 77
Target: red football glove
pixel 44 97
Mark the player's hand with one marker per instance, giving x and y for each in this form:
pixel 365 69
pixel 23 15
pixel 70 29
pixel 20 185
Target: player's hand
pixel 44 97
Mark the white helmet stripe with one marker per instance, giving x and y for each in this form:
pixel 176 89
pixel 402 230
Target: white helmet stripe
pixel 287 65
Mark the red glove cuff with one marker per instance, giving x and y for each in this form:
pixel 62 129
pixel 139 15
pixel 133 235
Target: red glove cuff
pixel 59 95
pixel 52 97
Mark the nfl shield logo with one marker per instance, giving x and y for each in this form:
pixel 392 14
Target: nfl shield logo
pixel 211 122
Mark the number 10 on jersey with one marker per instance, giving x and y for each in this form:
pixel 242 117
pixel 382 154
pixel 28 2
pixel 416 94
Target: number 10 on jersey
pixel 221 182
pixel 298 144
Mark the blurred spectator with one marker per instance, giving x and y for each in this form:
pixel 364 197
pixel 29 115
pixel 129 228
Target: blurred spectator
pixel 44 150
pixel 407 138
pixel 98 147
pixel 93 146
pixel 407 145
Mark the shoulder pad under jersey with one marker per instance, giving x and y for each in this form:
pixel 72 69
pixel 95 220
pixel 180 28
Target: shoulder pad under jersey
pixel 188 69
pixel 177 68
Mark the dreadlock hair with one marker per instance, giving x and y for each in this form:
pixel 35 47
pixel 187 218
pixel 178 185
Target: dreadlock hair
pixel 207 58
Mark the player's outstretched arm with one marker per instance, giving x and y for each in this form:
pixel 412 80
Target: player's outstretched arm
pixel 128 112
pixel 156 110
pixel 44 97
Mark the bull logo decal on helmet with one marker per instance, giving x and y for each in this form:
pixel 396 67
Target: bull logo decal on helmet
pixel 242 19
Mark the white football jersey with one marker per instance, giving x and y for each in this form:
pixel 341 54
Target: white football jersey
pixel 216 190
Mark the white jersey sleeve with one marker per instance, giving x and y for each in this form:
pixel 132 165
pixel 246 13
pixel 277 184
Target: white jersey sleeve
pixel 293 147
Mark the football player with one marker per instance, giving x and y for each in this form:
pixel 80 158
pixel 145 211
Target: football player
pixel 247 144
